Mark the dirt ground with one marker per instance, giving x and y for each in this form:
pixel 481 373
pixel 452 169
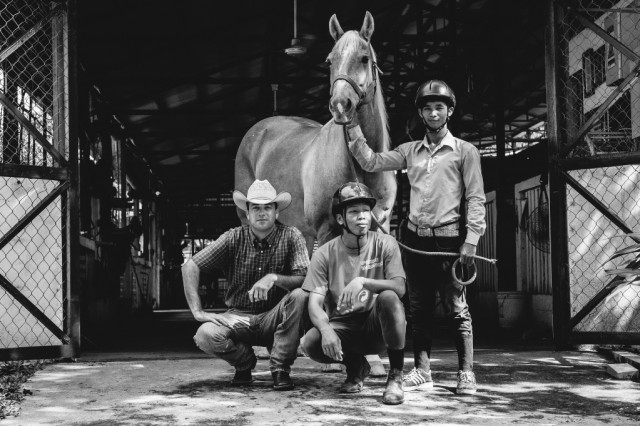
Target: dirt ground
pixel 516 386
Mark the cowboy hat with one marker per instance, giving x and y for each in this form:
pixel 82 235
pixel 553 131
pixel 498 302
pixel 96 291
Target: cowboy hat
pixel 261 192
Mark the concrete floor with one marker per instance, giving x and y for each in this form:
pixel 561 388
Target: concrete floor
pixel 516 385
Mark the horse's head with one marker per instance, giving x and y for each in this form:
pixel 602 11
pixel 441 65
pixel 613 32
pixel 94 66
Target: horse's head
pixel 353 69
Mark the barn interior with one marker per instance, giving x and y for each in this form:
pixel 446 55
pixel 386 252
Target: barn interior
pixel 176 85
pixel 162 93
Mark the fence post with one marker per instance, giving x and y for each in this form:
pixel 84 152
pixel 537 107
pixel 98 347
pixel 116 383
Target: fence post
pixel 557 186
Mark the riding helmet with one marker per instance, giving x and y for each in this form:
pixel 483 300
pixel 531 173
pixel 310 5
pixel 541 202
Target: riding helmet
pixel 435 90
pixel 351 193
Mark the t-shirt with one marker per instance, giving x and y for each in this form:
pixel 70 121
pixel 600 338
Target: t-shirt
pixel 334 265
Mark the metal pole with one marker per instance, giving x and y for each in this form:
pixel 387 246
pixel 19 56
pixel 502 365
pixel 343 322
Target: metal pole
pixel 557 186
pixel 73 216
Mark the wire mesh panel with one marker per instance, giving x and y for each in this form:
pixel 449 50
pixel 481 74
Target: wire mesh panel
pixel 32 262
pixel 600 129
pixel 602 93
pixel 32 67
pixel 34 187
pixel 593 239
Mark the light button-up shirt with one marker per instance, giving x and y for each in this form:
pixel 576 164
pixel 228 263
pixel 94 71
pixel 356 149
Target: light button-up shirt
pixel 439 179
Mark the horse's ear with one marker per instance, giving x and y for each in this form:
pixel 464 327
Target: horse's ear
pixel 334 28
pixel 367 27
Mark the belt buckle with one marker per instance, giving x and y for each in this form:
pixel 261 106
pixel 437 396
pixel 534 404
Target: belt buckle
pixel 423 232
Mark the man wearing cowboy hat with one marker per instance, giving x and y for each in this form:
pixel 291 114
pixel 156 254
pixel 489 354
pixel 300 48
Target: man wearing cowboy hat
pixel 265 263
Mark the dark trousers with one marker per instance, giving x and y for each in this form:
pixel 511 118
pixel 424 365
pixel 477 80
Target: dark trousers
pixel 363 333
pixel 279 329
pixel 427 275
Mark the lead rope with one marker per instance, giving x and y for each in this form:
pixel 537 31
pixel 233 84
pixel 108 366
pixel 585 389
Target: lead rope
pixel 404 246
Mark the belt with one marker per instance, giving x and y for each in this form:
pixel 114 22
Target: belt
pixel 449 230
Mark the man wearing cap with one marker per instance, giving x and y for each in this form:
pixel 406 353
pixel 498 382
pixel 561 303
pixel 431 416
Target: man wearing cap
pixel 265 263
pixel 355 283
pixel 443 171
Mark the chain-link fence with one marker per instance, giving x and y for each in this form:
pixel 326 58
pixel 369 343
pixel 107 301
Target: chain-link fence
pixel 33 132
pixel 601 109
pixel 31 262
pixel 593 239
pixel 600 119
pixel 32 67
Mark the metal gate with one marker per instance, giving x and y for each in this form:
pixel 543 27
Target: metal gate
pixel 39 315
pixel 593 93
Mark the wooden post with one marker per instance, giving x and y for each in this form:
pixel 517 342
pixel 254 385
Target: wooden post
pixel 558 191
pixel 505 200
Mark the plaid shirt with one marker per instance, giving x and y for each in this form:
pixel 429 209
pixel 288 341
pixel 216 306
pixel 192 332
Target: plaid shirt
pixel 245 259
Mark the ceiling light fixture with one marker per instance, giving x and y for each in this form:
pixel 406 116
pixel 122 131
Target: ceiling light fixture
pixel 296 48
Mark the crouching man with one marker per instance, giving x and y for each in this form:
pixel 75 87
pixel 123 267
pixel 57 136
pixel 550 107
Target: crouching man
pixel 265 263
pixel 355 283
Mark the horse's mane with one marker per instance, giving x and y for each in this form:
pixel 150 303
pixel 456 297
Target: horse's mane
pixel 352 41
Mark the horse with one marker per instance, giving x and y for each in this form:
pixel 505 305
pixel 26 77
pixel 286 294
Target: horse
pixel 311 160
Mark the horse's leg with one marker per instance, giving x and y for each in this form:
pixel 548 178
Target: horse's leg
pixel 244 173
pixel 326 232
pixel 310 239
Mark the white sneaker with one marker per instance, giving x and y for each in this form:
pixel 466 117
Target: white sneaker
pixel 417 379
pixel 466 383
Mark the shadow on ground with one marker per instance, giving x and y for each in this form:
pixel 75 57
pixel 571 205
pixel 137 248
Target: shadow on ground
pixel 163 383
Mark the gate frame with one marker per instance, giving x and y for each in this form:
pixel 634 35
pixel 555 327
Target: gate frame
pixel 64 76
pixel 559 166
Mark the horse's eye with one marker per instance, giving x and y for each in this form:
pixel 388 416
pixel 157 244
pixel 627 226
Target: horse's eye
pixel 328 61
pixel 365 59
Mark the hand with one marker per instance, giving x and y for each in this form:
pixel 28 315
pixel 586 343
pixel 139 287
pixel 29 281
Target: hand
pixel 331 345
pixel 354 130
pixel 261 288
pixel 467 251
pixel 349 295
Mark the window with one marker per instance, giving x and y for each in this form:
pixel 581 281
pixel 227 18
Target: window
pixel 611 52
pixel 594 69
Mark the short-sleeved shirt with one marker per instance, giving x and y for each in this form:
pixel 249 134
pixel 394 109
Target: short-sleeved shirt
pixel 245 259
pixel 334 265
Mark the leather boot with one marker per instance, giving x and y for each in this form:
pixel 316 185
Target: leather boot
pixel 282 381
pixel 393 393
pixel 357 370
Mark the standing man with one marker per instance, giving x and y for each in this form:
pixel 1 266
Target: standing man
pixel 442 170
pixel 265 263
pixel 355 283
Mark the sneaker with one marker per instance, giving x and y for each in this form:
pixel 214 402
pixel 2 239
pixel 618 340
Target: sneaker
pixel 466 383
pixel 417 379
pixel 355 377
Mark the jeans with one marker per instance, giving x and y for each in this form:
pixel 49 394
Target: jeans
pixel 364 333
pixel 279 329
pixel 425 276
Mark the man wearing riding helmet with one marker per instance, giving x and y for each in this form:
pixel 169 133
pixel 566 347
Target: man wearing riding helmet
pixel 443 171
pixel 355 283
